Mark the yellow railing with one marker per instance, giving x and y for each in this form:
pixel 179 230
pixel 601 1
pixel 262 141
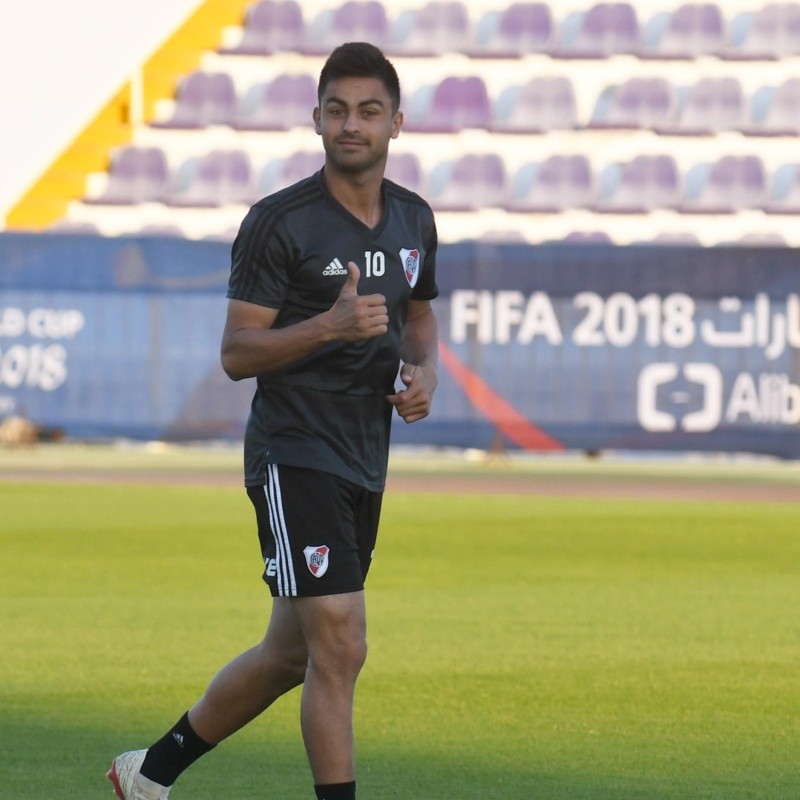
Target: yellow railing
pixel 65 179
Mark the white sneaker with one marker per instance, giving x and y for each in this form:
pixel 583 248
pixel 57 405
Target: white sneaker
pixel 129 784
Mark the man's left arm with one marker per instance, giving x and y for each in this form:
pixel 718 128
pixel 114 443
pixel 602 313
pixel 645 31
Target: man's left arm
pixel 420 354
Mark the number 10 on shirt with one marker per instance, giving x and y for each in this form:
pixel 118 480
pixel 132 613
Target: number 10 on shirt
pixel 376 263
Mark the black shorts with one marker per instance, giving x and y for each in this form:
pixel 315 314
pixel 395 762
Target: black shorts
pixel 317 531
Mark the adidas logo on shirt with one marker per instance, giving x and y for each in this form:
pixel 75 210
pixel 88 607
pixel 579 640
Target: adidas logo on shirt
pixel 335 268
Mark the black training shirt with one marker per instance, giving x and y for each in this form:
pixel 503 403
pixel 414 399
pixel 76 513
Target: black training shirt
pixel 328 410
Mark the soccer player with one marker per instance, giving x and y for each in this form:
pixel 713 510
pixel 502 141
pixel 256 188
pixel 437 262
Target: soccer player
pixel 329 296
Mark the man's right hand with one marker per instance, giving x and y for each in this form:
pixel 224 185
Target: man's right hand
pixel 355 316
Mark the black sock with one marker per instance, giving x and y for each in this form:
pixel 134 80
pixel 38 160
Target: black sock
pixel 336 791
pixel 174 752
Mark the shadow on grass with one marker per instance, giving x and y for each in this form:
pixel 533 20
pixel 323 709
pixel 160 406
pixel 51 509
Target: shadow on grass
pixel 44 758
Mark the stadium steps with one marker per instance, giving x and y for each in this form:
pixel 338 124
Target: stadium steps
pixel 64 180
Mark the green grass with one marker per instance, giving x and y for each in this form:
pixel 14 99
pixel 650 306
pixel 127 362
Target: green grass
pixel 519 647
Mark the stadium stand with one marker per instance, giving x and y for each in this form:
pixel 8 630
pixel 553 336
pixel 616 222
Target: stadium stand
pixel 271 26
pixel 558 183
pixel 771 32
pixel 203 99
pixel 523 120
pixel 136 175
pixel 542 104
pixel 434 29
pixel 639 186
pixel 278 105
pixel 650 103
pixel 456 103
pixel 690 31
pixel 514 32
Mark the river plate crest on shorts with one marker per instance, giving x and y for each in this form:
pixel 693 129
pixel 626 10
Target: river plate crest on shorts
pixel 410 259
pixel 317 559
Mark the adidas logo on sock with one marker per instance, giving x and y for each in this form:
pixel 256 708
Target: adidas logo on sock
pixel 335 268
pixel 178 737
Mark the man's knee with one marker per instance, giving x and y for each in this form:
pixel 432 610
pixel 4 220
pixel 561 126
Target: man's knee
pixel 337 640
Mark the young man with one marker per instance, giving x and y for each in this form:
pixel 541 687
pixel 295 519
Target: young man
pixel 330 292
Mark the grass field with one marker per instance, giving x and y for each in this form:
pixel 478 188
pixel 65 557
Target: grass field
pixel 520 647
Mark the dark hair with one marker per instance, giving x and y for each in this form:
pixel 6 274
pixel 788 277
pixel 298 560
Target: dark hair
pixel 360 60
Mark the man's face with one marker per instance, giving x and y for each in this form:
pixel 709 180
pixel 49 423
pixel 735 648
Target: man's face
pixel 356 121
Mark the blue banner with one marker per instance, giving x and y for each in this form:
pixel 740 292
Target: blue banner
pixel 547 347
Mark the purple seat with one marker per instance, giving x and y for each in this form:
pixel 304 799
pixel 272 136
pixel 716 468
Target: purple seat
pixel 674 239
pixel 604 30
pixel 542 104
pixel 457 103
pixel 732 184
pixel 781 112
pixel 521 29
pixel 772 32
pixel 219 178
pixel 693 29
pixel 586 237
pixel 711 105
pixel 271 26
pixel 760 239
pixel 437 28
pixel 641 185
pixel 405 169
pixel 785 195
pixel 638 103
pixel 283 104
pixel 204 98
pixel 470 183
pixel 279 173
pixel 136 175
pixel 353 21
pixel 558 183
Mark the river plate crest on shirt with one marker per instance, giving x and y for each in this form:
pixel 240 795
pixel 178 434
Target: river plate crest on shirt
pixel 410 259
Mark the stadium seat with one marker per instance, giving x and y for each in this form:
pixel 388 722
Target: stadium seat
pixel 584 237
pixel 771 32
pixel 776 111
pixel 710 106
pixel 673 239
pixel 520 29
pixel 203 99
pixel 544 103
pixel 606 29
pixel 137 175
pixel 646 103
pixel 280 105
pixel 759 239
pixel 405 169
pixel 556 184
pixel 729 185
pixel 469 183
pixel 785 190
pixel 271 26
pixel 691 30
pixel 216 179
pixel 434 29
pixel 456 103
pixel 642 185
pixel 353 21
pixel 279 173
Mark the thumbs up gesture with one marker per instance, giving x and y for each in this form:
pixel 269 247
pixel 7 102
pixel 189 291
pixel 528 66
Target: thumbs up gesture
pixel 355 316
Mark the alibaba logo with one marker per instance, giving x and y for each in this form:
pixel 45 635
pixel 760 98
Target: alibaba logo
pixel 654 376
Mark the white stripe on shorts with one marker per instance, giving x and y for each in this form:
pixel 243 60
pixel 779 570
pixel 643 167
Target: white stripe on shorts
pixel 287 586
